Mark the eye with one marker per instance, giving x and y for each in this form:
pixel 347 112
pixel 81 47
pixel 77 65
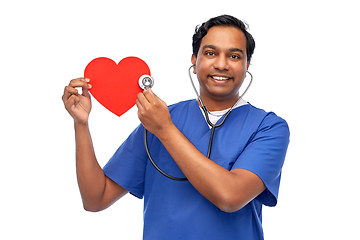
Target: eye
pixel 210 53
pixel 234 56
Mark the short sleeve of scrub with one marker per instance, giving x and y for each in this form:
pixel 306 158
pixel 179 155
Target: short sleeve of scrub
pixel 128 164
pixel 264 155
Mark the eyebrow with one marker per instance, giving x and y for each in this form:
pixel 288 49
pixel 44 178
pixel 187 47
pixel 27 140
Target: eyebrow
pixel 231 49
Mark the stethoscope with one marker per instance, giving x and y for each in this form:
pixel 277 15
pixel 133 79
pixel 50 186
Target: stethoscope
pixel 147 81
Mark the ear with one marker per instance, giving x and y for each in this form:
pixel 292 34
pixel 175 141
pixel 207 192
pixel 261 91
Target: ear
pixel 193 61
pixel 247 65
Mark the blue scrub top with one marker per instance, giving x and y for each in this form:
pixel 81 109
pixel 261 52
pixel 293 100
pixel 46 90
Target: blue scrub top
pixel 250 139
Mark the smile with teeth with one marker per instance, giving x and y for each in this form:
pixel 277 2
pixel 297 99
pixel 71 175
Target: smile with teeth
pixel 220 78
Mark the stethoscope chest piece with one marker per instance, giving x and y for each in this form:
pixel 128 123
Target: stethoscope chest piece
pixel 146 81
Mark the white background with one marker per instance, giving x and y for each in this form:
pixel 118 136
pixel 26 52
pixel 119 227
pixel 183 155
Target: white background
pixel 305 69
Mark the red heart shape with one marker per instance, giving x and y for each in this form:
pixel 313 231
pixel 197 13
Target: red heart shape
pixel 115 86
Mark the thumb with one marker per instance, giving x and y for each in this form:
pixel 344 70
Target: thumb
pixel 151 92
pixel 85 91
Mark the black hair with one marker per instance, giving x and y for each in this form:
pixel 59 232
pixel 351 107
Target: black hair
pixel 223 20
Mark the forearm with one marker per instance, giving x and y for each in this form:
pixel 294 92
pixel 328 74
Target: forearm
pixel 212 181
pixel 91 178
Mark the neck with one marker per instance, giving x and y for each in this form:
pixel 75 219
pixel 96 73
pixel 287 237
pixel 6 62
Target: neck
pixel 218 105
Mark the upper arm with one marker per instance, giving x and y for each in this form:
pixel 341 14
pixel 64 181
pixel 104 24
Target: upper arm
pixel 112 193
pixel 246 186
pixel 264 156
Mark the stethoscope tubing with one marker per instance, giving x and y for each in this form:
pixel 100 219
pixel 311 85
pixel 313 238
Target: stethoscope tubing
pixel 154 164
pixel 213 126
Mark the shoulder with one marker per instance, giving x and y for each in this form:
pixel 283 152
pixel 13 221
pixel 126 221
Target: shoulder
pixel 262 117
pixel 268 125
pixel 183 108
pixel 182 104
pixel 252 120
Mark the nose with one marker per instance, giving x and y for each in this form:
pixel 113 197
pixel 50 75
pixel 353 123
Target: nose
pixel 221 63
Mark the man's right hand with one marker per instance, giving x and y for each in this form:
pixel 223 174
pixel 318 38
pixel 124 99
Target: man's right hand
pixel 78 105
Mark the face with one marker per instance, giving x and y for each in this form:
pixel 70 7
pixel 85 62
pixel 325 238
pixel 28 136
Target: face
pixel 221 65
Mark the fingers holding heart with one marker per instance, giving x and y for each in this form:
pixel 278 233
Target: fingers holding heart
pixel 76 83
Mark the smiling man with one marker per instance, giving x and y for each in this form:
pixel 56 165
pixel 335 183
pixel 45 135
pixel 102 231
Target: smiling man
pixel 221 65
pixel 225 192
